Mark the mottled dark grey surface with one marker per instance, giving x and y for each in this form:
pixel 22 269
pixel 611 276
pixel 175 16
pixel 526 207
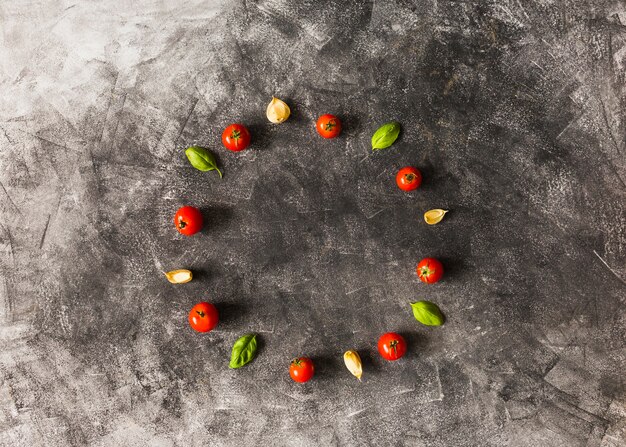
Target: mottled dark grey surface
pixel 514 111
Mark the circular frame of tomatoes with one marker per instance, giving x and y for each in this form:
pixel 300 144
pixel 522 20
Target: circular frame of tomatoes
pixel 301 369
pixel 408 178
pixel 328 126
pixel 429 270
pixel 391 346
pixel 203 317
pixel 188 220
pixel 236 137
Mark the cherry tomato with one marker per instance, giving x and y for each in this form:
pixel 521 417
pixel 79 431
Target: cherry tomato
pixel 203 317
pixel 236 137
pixel 408 178
pixel 328 126
pixel 391 346
pixel 301 369
pixel 188 220
pixel 429 270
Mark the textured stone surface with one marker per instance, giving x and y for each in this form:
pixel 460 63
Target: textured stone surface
pixel 514 111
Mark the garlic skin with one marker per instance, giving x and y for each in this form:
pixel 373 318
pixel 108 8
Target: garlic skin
pixel 277 111
pixel 435 216
pixel 180 276
pixel 353 363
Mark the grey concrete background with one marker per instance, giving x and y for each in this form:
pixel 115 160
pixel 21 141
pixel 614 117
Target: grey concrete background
pixel 513 110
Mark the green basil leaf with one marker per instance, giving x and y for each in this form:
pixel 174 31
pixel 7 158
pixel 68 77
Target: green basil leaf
pixel 385 135
pixel 202 159
pixel 244 351
pixel 427 313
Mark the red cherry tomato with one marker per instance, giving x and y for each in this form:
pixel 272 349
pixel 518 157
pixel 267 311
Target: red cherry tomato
pixel 188 220
pixel 408 178
pixel 429 270
pixel 328 126
pixel 301 369
pixel 391 346
pixel 236 137
pixel 203 317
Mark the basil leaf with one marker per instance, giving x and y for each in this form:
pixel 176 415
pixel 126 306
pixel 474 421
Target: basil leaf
pixel 385 135
pixel 427 313
pixel 244 351
pixel 202 159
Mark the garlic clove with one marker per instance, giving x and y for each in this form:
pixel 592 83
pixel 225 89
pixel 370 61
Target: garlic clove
pixel 353 363
pixel 180 276
pixel 277 111
pixel 435 216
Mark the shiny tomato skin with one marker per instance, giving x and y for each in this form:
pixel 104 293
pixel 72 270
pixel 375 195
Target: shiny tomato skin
pixel 203 317
pixel 391 346
pixel 328 126
pixel 301 369
pixel 236 137
pixel 429 270
pixel 408 178
pixel 188 220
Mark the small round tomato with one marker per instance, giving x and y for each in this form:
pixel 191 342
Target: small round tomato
pixel 328 126
pixel 301 369
pixel 429 270
pixel 203 317
pixel 188 220
pixel 391 346
pixel 236 137
pixel 408 178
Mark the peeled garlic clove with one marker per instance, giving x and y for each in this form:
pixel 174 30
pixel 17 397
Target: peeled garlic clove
pixel 433 217
pixel 179 276
pixel 353 363
pixel 277 111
